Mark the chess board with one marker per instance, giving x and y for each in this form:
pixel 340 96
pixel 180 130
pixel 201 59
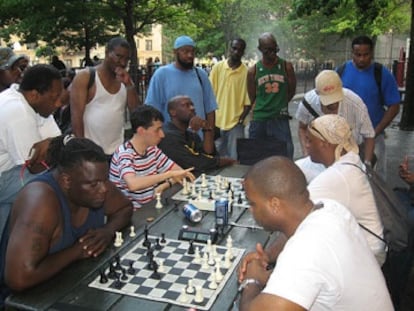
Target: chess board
pixel 203 194
pixel 179 267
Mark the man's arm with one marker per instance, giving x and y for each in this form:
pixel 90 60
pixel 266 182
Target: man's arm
pixel 35 224
pixel 208 142
pixel 290 72
pixel 251 85
pixel 302 130
pixel 369 143
pixel 78 101
pixel 389 115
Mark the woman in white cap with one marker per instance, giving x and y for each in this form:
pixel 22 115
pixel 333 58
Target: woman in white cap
pixel 331 143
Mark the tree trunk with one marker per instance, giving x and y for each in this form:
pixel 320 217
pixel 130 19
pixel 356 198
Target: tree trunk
pixel 407 118
pixel 129 34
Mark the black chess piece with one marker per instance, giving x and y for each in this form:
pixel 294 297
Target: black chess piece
pixel 117 262
pixel 191 248
pixel 155 274
pixel 131 270
pixel 118 284
pixel 123 275
pixel 163 238
pixel 157 245
pixel 146 241
pixel 210 195
pixel 229 187
pixel 103 279
pixel 112 274
pixel 240 200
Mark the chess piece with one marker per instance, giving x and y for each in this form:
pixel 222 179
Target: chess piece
pixel 118 284
pixel 123 275
pixel 185 189
pixel 146 241
pixel 190 288
pixel 218 274
pixel 132 232
pixel 213 283
pixel 155 274
pixel 183 297
pixel 118 239
pixel 199 297
pixel 117 262
pixel 103 278
pixel 131 270
pixel 204 264
pixel 193 190
pixel 227 260
pixel 208 247
pixel 157 245
pixel 158 204
pixel 191 248
pixel 163 241
pixel 203 180
pixel 229 242
pixel 197 257
pixel 211 260
pixel 112 274
pixel 161 267
pixel 240 200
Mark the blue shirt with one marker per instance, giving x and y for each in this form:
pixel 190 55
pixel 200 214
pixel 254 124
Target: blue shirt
pixel 363 83
pixel 169 81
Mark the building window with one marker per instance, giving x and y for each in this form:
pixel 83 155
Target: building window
pixel 148 45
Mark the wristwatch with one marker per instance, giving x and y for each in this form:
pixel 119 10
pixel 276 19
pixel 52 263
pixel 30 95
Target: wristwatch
pixel 247 282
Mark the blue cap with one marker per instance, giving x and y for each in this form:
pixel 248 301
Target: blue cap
pixel 183 41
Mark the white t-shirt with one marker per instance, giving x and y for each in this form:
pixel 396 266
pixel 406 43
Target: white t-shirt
pixel 20 128
pixel 352 109
pixel 349 186
pixel 309 169
pixel 327 265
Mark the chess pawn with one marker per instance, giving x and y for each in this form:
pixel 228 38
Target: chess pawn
pixel 204 264
pixel 197 257
pixel 213 283
pixel 158 204
pixel 132 232
pixel 229 242
pixel 193 190
pixel 185 189
pixel 218 274
pixel 183 297
pixel 227 260
pixel 208 247
pixel 161 265
pixel 190 288
pixel 211 260
pixel 203 180
pixel 199 297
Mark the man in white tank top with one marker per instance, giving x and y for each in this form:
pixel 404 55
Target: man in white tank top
pixel 97 112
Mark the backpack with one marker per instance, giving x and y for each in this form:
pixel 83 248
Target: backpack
pixel 392 212
pixel 377 76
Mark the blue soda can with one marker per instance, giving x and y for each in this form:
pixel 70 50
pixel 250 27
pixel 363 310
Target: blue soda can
pixel 192 213
pixel 222 212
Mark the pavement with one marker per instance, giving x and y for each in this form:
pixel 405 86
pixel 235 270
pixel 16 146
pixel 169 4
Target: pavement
pixel 398 144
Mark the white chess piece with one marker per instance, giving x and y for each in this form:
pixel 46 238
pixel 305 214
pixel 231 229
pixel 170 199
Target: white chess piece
pixel 183 297
pixel 190 288
pixel 132 232
pixel 213 283
pixel 229 242
pixel 208 247
pixel 185 189
pixel 199 195
pixel 218 274
pixel 227 260
pixel 161 265
pixel 203 180
pixel 199 297
pixel 158 204
pixel 211 260
pixel 204 264
pixel 197 257
pixel 118 239
pixel 193 190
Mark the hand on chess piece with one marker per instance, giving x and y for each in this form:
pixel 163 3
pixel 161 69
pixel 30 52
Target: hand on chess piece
pixel 259 256
pixel 178 175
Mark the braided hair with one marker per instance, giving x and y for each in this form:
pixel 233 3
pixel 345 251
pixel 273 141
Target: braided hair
pixel 67 152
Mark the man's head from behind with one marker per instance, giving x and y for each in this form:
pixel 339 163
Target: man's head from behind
pixel 328 138
pixel 328 86
pixel 42 86
pixel 146 122
pixel 272 185
pixel 7 59
pixel 184 50
pixel 82 167
pixel 181 109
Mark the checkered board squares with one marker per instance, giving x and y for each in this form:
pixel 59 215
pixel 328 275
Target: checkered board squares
pixel 179 268
pixel 216 185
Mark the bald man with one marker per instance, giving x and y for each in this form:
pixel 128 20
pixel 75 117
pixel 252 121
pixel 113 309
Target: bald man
pixel 316 270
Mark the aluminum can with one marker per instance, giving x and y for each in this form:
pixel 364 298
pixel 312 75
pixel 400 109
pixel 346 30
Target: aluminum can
pixel 222 212
pixel 192 213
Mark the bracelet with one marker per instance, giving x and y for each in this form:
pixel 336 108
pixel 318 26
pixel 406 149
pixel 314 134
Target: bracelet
pixel 247 282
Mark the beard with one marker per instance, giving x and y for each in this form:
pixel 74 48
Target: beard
pixel 185 65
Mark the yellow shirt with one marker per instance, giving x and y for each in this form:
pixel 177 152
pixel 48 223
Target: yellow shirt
pixel 230 88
